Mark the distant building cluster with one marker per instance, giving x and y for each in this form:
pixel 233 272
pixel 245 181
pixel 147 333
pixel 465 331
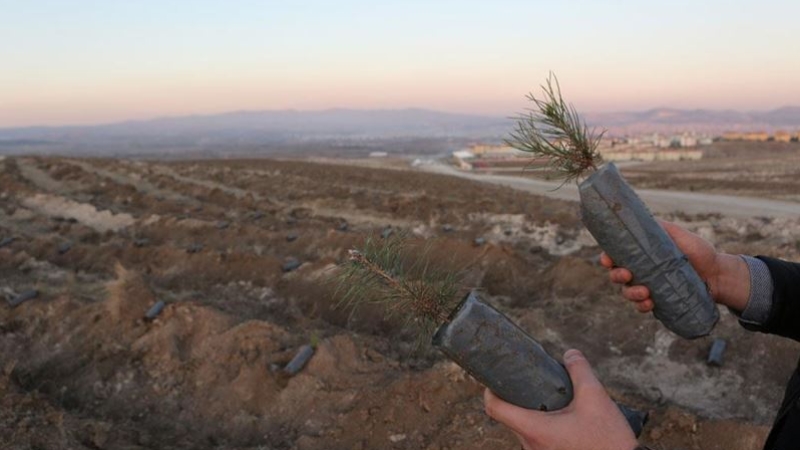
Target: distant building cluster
pixel 655 147
pixel 652 154
pixel 647 147
pixel 762 136
pixel 488 156
pixel 656 140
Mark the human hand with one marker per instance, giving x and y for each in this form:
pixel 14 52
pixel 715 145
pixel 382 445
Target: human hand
pixel 591 421
pixel 727 276
pixel 701 254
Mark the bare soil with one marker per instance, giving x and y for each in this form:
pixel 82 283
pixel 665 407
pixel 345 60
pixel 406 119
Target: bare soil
pixel 752 169
pixel 81 368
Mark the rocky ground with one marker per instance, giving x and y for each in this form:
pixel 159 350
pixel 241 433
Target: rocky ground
pixel 242 253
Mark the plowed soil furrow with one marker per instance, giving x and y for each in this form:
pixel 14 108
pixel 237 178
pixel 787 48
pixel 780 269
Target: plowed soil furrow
pixel 82 368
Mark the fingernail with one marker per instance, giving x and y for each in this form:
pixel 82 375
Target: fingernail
pixel 572 355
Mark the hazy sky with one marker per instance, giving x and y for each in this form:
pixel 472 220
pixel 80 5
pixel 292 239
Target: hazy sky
pixel 74 62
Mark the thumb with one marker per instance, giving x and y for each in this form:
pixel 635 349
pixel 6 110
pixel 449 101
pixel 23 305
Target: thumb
pixel 512 416
pixel 580 372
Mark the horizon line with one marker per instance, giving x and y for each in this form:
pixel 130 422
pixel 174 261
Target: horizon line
pixel 409 108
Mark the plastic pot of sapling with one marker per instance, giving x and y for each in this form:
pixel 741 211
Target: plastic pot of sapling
pixel 504 358
pixel 627 231
pixel 499 354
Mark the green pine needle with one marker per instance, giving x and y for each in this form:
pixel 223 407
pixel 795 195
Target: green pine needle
pixel 402 278
pixel 554 130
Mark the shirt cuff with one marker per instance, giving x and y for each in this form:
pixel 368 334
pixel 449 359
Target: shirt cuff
pixel 759 303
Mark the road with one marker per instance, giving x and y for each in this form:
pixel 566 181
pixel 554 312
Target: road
pixel 659 201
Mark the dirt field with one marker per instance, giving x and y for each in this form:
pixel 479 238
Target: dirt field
pixel 761 169
pixel 104 240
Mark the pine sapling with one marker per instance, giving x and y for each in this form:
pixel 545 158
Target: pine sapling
pixel 553 130
pixel 385 272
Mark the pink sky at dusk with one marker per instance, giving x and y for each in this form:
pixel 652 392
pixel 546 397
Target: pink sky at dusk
pixel 85 66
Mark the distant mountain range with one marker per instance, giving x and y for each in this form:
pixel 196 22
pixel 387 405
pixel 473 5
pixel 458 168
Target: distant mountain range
pixel 700 120
pixel 285 125
pixel 292 128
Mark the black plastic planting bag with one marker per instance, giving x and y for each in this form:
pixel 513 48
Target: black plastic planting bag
pixel 499 354
pixel 503 357
pixel 628 233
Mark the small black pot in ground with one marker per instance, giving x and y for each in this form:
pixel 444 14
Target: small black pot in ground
pixel 154 310
pixel 141 242
pixel 716 352
pixel 291 264
pixel 23 297
pixel 299 361
pixel 7 241
pixel 64 247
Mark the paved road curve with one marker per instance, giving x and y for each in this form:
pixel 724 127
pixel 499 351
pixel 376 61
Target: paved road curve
pixel 658 201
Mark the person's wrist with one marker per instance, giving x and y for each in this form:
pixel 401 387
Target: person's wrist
pixel 714 280
pixel 730 284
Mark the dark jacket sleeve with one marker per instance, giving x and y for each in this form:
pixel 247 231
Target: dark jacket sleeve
pixel 784 316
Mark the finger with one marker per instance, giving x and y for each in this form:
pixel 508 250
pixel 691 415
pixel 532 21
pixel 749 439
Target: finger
pixel 512 416
pixel 522 441
pixel 581 373
pixel 672 229
pixel 686 241
pixel 620 275
pixel 636 293
pixel 645 306
pixel 606 261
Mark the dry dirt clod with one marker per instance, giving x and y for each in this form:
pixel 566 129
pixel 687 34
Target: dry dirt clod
pixel 395 438
pixel 195 248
